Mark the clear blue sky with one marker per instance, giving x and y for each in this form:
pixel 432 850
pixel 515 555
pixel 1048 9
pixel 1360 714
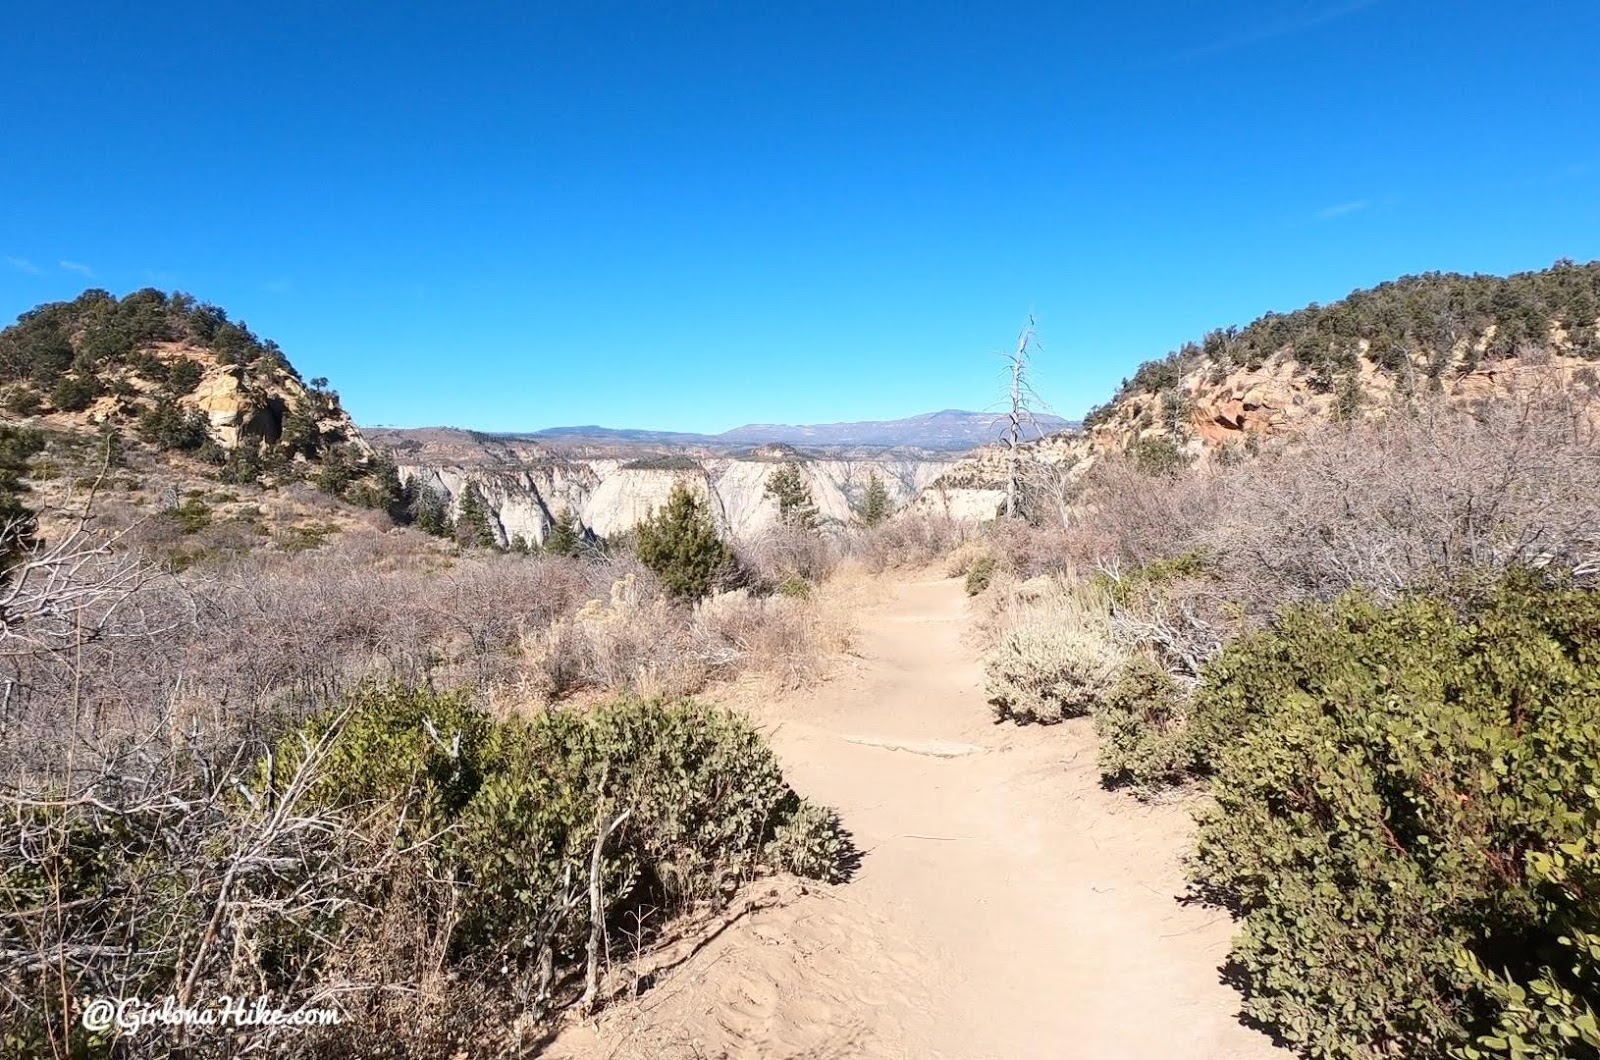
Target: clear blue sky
pixel 693 215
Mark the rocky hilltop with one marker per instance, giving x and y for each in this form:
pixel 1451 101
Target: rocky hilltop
pixel 176 372
pixel 1441 336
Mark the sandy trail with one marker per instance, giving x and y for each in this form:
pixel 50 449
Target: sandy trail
pixel 1006 907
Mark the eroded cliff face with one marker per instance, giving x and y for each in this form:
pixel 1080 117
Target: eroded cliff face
pixel 611 496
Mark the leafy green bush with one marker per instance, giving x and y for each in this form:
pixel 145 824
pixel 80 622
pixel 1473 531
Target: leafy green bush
pixel 1143 728
pixel 1157 456
pixel 694 795
pixel 183 376
pixel 1406 813
pixel 681 545
pixel 192 516
pixel 794 586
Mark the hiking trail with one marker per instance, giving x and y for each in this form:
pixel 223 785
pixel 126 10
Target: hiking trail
pixel 1006 906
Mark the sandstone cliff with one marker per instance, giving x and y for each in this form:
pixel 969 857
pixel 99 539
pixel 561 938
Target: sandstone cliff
pixel 527 487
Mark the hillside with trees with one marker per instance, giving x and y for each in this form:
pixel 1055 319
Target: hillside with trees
pixel 161 392
pixel 1417 334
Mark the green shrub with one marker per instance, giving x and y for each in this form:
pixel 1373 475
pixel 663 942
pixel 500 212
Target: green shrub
pixel 1157 456
pixel 18 523
pixel 307 538
pixel 980 573
pixel 565 537
pixel 1143 728
pixel 680 544
pixel 811 843
pixel 473 526
pixel 74 393
pixel 875 504
pixel 23 401
pixel 520 803
pixel 1130 587
pixel 794 586
pixel 1406 810
pixel 192 516
pixel 168 425
pixel 183 376
pixel 789 488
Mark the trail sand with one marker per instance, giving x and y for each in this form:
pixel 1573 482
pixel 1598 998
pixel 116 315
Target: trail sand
pixel 1006 907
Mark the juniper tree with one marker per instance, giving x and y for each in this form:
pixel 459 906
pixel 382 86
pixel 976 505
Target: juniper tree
pixel 681 545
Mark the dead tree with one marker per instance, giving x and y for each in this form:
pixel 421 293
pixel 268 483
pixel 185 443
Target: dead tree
pixel 1021 413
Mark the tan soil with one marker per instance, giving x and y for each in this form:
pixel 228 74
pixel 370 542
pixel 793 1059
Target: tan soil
pixel 1006 906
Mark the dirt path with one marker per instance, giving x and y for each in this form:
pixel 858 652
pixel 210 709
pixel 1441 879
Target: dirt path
pixel 1006 907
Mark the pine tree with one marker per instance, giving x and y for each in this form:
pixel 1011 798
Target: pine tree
pixel 472 520
pixel 429 513
pixel 680 544
pixel 566 537
pixel 875 506
pixel 788 487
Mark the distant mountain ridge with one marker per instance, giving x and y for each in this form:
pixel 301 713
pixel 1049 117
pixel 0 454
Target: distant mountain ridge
pixel 949 430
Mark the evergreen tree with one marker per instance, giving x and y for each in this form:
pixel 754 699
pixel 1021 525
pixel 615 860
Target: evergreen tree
pixel 566 537
pixel 680 544
pixel 788 487
pixel 472 521
pixel 429 513
pixel 876 505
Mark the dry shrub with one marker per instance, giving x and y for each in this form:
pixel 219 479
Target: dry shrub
pixel 960 561
pixel 1056 654
pixel 1134 518
pixel 1421 501
pixel 1029 550
pixel 778 636
pixel 633 641
pixel 782 552
pixel 1439 499
pixel 910 539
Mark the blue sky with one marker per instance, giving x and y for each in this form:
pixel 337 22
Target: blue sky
pixel 694 215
